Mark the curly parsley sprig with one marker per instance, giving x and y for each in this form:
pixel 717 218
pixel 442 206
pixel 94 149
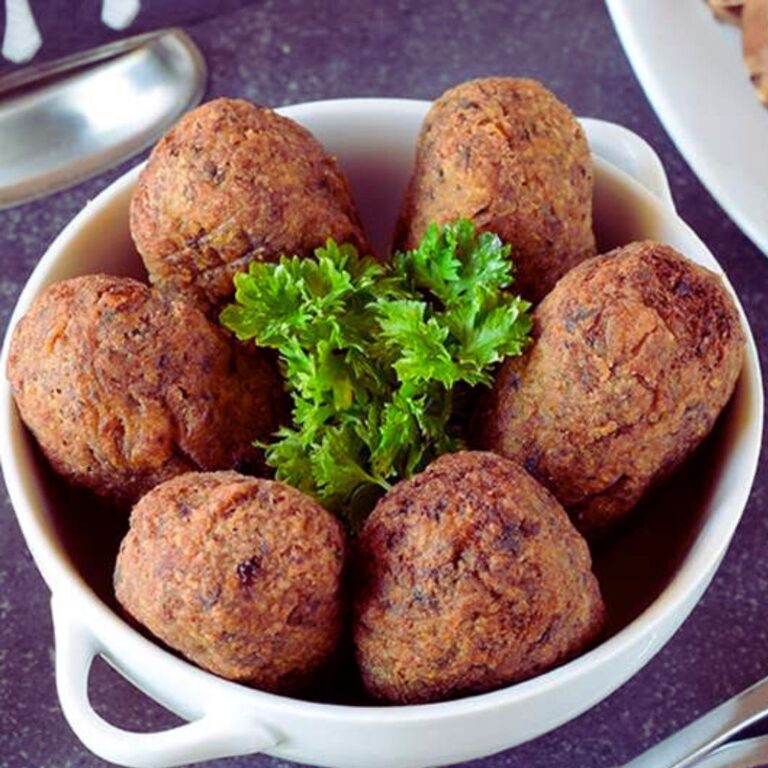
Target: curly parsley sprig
pixel 371 354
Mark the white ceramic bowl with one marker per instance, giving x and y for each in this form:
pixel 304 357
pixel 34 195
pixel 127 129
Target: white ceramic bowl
pixel 686 525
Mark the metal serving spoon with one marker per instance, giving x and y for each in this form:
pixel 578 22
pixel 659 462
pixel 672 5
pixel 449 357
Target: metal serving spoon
pixel 703 743
pixel 64 121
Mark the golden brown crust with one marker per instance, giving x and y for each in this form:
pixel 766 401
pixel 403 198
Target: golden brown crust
pixel 511 157
pixel 240 575
pixel 124 388
pixel 727 10
pixel 754 25
pixel 472 578
pixel 636 352
pixel 233 182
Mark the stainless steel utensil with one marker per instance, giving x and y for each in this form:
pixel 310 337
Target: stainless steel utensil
pixel 749 753
pixel 703 743
pixel 64 121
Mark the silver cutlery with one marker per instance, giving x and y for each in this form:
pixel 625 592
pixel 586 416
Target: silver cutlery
pixel 704 742
pixel 64 121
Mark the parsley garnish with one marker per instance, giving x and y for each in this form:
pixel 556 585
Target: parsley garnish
pixel 371 354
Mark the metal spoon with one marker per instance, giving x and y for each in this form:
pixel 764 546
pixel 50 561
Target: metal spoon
pixel 702 743
pixel 64 121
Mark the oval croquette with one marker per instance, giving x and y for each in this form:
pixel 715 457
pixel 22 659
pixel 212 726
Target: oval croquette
pixel 507 154
pixel 240 575
pixel 472 577
pixel 635 354
pixel 230 183
pixel 124 388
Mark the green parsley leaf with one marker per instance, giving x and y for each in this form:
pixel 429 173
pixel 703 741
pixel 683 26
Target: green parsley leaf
pixel 372 355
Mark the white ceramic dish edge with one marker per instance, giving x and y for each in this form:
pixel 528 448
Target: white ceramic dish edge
pixel 699 87
pixel 229 719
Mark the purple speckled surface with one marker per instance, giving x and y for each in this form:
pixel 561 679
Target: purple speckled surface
pixel 289 51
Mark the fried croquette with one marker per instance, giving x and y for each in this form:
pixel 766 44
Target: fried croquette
pixel 472 577
pixel 231 183
pixel 124 388
pixel 241 575
pixel 507 154
pixel 635 354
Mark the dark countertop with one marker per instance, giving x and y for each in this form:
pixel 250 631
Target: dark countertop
pixel 290 51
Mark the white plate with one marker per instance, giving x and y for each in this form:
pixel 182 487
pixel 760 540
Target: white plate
pixel 691 68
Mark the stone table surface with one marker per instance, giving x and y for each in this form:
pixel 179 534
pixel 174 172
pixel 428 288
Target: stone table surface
pixel 288 51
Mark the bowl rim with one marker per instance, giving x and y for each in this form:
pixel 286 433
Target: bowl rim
pixel 699 564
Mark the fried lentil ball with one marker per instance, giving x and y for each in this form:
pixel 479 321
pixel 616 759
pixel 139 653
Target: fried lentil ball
pixel 636 352
pixel 507 154
pixel 472 577
pixel 233 182
pixel 124 388
pixel 241 575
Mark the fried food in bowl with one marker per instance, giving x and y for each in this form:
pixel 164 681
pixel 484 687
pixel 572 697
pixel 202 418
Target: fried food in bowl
pixel 636 353
pixel 472 577
pixel 124 388
pixel 241 575
pixel 229 183
pixel 510 156
pixel 655 572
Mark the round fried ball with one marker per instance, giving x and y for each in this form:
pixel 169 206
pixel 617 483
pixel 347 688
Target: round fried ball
pixel 231 183
pixel 472 577
pixel 635 354
pixel 124 388
pixel 240 575
pixel 507 154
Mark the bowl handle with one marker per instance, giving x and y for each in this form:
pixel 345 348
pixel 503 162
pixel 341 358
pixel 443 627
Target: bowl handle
pixel 631 154
pixel 214 734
